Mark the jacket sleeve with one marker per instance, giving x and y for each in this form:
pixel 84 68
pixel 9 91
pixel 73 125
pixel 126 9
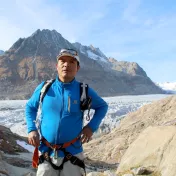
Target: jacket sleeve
pixel 32 108
pixel 100 107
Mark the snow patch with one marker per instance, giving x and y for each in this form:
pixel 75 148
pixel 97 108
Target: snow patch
pixel 26 146
pixel 81 50
pixel 170 87
pixel 95 57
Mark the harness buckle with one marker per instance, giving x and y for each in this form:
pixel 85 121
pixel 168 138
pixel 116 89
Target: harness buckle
pixel 55 153
pixel 46 155
pixel 68 156
pixel 56 147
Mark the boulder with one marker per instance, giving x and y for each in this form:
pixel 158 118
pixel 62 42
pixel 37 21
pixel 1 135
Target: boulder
pixel 154 148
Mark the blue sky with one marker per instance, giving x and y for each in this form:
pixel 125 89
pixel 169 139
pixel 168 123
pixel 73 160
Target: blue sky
pixel 142 31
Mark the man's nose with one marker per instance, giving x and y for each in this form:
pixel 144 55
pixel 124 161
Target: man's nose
pixel 66 64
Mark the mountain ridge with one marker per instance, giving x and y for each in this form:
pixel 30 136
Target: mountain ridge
pixel 31 60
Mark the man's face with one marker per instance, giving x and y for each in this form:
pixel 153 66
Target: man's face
pixel 67 68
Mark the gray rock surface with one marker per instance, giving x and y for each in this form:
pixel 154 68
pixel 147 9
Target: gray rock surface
pixel 14 159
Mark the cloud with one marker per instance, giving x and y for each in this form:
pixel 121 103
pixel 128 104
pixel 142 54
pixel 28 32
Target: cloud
pixel 29 15
pixel 132 30
pixel 9 33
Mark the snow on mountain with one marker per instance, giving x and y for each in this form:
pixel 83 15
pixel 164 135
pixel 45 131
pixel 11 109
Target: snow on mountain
pixel 91 52
pixel 169 87
pixel 12 114
pixel 95 57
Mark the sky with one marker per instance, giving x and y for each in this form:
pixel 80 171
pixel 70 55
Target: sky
pixel 142 31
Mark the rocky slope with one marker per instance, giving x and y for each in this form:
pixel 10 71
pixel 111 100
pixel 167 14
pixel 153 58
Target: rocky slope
pixel 33 59
pixel 132 147
pixel 1 52
pixel 154 149
pixel 14 159
pixel 143 144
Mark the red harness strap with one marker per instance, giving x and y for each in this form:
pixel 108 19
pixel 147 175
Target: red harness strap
pixel 35 158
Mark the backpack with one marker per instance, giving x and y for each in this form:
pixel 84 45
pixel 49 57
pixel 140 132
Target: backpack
pixel 85 100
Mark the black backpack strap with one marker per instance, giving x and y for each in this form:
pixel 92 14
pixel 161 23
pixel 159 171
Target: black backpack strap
pixel 85 100
pixel 47 84
pixel 83 96
pixel 83 91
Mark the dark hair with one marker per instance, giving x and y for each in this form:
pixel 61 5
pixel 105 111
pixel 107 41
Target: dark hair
pixel 78 63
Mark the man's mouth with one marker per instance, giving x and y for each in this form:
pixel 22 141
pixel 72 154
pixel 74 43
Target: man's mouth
pixel 65 70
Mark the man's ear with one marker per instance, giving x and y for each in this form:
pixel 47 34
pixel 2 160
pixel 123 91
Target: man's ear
pixel 78 68
pixel 57 66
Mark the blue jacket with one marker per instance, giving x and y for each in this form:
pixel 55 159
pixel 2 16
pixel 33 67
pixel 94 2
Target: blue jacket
pixel 62 119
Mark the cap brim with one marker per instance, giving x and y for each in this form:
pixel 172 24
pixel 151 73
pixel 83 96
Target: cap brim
pixel 66 54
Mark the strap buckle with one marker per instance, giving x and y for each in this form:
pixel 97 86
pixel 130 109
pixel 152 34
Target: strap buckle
pixel 74 161
pixel 68 156
pixel 46 155
pixel 56 147
pixel 55 153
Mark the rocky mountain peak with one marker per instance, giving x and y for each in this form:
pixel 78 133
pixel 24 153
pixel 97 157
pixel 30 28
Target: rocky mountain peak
pixel 92 47
pixel 77 45
pixel 39 32
pixel 131 68
pixel 31 60
pixel 17 44
pixel 39 43
pixel 92 53
pixel 113 60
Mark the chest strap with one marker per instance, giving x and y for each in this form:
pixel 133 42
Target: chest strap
pixel 58 146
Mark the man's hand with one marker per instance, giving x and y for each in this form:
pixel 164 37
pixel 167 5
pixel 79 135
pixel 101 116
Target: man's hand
pixel 86 134
pixel 33 138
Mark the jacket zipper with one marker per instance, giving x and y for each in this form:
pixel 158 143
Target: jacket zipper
pixel 61 112
pixel 68 103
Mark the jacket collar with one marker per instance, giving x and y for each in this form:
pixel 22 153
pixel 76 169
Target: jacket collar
pixel 62 84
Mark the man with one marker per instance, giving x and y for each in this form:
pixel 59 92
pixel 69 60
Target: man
pixel 62 120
